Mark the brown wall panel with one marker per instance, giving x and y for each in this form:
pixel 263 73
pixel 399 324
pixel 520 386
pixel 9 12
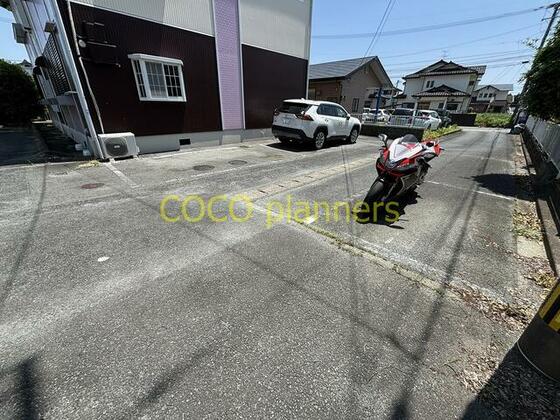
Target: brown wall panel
pixel 268 79
pixel 114 86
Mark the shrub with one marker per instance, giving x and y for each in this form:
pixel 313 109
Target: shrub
pixel 440 132
pixel 492 120
pixel 19 97
pixel 542 94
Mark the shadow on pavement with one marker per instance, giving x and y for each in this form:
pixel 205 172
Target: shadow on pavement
pixel 516 390
pixel 381 217
pixel 23 379
pixel 41 143
pixel 26 244
pixel 298 147
pixel 509 185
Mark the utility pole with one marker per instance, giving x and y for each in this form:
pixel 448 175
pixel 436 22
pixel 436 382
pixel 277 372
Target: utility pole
pixel 554 6
pixel 549 27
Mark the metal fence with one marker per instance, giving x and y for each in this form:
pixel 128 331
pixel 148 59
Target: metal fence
pixel 547 137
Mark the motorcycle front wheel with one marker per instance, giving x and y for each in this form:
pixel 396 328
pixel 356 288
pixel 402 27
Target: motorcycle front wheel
pixel 375 193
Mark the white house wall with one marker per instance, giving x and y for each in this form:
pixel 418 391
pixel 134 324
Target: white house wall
pixel 37 13
pixel 456 81
pixel 191 15
pixel 501 95
pixel 281 26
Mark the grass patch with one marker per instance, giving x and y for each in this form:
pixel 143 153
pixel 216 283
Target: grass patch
pixel 527 225
pixel 492 120
pixel 90 164
pixel 544 279
pixel 440 132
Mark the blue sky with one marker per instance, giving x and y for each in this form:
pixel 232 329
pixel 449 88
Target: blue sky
pixel 400 53
pixel 361 16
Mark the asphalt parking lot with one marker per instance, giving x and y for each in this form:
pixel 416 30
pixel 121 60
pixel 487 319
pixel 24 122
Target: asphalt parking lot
pixel 108 311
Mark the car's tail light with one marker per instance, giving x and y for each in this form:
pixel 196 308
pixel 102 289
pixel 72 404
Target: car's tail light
pixel 305 117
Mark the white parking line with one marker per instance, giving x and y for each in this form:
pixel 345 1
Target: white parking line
pixel 309 220
pixel 476 191
pixel 122 176
pixel 188 152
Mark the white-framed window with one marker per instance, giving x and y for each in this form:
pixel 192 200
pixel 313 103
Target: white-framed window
pixel 430 84
pixel 158 78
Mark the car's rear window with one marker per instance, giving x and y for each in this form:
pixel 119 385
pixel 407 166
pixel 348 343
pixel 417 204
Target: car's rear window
pixel 293 107
pixel 402 111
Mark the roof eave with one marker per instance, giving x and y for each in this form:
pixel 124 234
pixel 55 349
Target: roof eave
pixel 327 79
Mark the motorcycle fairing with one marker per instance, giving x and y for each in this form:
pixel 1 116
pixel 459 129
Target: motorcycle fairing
pixel 399 150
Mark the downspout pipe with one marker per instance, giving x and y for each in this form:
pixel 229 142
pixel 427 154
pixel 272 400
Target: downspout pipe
pixel 67 52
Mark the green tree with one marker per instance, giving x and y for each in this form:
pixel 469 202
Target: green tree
pixel 19 97
pixel 542 95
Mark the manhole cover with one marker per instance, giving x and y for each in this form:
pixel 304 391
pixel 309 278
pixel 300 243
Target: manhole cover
pixel 92 186
pixel 237 162
pixel 203 167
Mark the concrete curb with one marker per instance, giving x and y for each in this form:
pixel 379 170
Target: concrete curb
pixel 550 232
pixel 450 135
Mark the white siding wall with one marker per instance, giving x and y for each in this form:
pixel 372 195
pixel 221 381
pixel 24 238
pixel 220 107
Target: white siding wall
pixel 191 15
pixel 277 25
pixel 501 95
pixel 37 13
pixel 456 81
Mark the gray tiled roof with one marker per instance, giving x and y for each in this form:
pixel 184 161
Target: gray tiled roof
pixel 506 86
pixel 336 69
pixel 443 67
pixel 442 90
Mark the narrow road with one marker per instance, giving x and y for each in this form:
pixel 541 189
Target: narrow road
pixel 107 311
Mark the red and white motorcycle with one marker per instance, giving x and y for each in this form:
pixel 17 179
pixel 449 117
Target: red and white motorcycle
pixel 401 167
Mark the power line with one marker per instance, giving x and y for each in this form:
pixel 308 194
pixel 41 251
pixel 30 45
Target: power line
pixel 379 29
pixel 455 58
pixel 431 27
pixel 495 66
pixel 462 43
pixel 471 62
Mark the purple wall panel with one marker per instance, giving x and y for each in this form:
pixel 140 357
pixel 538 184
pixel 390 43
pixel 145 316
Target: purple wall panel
pixel 226 21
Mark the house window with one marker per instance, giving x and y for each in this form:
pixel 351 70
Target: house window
pixel 355 104
pixel 158 78
pixel 440 105
pixel 430 84
pixel 471 82
pixel 367 104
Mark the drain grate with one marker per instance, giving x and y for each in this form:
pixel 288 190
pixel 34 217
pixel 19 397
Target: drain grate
pixel 237 162
pixel 92 186
pixel 203 167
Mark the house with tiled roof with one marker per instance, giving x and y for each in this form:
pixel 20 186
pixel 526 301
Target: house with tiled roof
pixel 492 98
pixel 353 83
pixel 442 85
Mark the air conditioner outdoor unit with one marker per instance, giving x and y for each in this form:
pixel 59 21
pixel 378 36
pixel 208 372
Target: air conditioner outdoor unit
pixel 118 145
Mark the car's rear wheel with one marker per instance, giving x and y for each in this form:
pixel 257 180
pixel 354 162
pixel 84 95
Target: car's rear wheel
pixel 319 140
pixel 353 137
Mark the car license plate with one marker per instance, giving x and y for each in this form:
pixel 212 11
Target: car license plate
pixel 286 121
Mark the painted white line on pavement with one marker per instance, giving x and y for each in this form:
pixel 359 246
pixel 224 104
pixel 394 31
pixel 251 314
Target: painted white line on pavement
pixel 122 176
pixel 466 189
pixel 189 152
pixel 309 220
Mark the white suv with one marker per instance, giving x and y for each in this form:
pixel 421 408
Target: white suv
pixel 314 121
